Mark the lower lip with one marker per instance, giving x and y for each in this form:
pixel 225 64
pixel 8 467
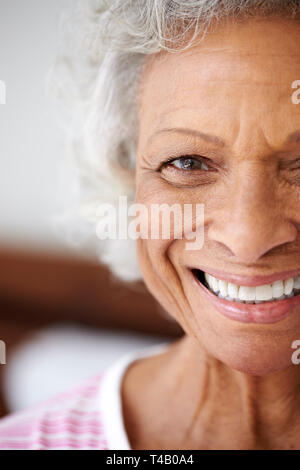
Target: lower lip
pixel 267 312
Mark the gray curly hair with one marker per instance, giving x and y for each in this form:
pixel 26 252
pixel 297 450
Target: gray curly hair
pixel 96 75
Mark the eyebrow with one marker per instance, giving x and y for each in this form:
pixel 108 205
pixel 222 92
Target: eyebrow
pixel 183 130
pixel 294 137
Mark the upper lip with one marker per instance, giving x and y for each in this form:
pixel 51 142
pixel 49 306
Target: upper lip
pixel 250 280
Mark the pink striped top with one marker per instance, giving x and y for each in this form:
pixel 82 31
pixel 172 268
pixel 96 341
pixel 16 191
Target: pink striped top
pixel 87 417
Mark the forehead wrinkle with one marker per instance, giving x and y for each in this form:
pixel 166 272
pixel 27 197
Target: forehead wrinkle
pixel 241 71
pixel 189 133
pixel 175 85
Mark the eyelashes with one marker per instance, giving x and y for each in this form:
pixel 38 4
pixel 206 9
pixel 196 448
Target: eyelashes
pixel 188 171
pixel 193 170
pixel 187 163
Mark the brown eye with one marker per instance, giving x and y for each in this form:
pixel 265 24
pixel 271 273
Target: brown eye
pixel 189 163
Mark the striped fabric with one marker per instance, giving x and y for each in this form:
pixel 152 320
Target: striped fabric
pixel 72 420
pixel 86 418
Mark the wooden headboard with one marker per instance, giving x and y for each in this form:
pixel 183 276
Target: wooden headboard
pixel 38 289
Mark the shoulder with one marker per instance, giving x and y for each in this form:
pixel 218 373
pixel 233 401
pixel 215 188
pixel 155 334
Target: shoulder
pixel 71 420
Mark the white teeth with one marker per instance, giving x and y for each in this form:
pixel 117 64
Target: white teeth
pixel 223 288
pixel 297 283
pixel 215 284
pixel 288 286
pixel 278 290
pixel 208 278
pixel 233 290
pixel 212 282
pixel 246 293
pixel 263 292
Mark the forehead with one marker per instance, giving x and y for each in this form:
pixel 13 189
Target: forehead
pixel 242 71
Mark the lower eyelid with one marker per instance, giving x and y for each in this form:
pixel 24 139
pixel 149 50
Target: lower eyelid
pixel 188 171
pixel 187 175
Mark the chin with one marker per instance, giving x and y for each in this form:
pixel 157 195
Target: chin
pixel 253 359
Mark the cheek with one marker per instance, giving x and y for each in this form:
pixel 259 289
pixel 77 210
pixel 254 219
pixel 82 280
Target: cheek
pixel 152 188
pixel 162 280
pixel 152 252
pixel 159 258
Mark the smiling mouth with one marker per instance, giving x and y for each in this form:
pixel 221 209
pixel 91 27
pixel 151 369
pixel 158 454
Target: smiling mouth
pixel 274 292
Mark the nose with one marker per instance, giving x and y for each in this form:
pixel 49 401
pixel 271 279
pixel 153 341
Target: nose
pixel 253 220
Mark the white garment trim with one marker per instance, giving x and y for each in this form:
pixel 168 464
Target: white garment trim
pixel 110 397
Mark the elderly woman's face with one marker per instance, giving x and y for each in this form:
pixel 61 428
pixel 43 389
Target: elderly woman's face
pixel 230 99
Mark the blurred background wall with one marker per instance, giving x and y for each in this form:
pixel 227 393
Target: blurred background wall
pixel 42 282
pixel 31 143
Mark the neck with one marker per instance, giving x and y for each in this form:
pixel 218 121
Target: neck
pixel 239 409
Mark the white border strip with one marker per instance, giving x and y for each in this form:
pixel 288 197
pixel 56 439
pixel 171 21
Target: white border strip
pixel 110 396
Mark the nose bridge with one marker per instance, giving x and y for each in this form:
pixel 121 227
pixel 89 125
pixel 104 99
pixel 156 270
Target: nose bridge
pixel 255 213
pixel 253 220
pixel 254 187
